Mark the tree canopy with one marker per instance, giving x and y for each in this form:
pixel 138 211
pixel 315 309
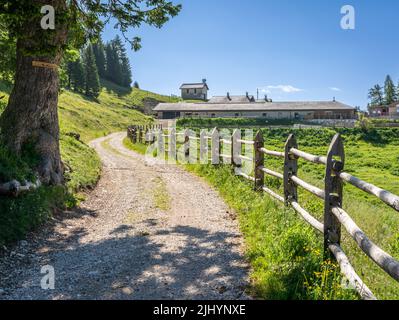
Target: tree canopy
pixel 85 19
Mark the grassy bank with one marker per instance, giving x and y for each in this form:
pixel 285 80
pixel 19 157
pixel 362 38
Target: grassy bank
pixel 114 110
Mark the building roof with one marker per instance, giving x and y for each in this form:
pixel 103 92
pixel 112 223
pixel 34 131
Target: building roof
pixel 254 106
pixel 232 99
pixel 194 86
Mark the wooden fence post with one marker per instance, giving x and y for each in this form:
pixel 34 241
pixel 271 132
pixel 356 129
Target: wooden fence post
pixel 134 135
pixel 140 135
pixel 161 145
pixel 333 193
pixel 204 147
pixel 215 148
pixel 172 154
pixel 186 146
pixel 259 162
pixel 236 148
pixel 290 169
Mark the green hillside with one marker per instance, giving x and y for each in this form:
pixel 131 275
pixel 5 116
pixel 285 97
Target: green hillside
pixel 113 111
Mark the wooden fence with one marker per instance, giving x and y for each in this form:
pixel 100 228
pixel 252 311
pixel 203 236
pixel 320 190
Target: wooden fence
pixel 335 216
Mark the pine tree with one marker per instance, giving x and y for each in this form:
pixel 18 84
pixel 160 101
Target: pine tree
pixel 76 76
pixel 113 64
pixel 93 86
pixel 390 91
pixel 99 53
pixel 136 85
pixel 118 65
pixel 376 96
pixel 126 71
pixel 126 80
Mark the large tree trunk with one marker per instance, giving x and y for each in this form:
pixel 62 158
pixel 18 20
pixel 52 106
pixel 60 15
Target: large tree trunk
pixel 31 115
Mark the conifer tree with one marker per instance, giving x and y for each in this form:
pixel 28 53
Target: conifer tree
pixel 99 53
pixel 76 75
pixel 390 91
pixel 93 86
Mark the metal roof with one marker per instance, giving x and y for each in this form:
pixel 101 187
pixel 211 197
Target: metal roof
pixel 254 106
pixel 231 99
pixel 194 86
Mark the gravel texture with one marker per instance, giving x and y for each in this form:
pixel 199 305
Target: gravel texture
pixel 119 245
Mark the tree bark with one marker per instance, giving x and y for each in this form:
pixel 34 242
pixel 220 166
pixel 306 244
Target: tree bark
pixel 31 115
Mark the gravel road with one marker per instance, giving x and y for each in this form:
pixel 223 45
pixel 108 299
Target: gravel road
pixel 128 241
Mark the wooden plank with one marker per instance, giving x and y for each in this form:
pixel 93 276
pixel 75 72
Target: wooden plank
pixel 348 271
pixel 290 169
pixel 186 145
pixel 42 64
pixel 272 153
pixel 246 142
pixel 203 147
pixel 236 148
pixel 259 162
pixel 308 217
pixel 273 173
pixel 242 174
pixel 312 189
pixel 215 147
pixel 379 256
pixel 225 141
pixel 226 156
pixel 333 189
pixel 273 194
pixel 309 157
pixel 172 151
pixel 192 147
pixel 161 146
pixel 385 196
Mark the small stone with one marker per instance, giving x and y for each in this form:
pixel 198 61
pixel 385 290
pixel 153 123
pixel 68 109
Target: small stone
pixel 2 292
pixel 23 243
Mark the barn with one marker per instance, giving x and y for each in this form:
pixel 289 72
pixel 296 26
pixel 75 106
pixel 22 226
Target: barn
pixel 248 107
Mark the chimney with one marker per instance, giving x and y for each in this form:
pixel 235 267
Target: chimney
pixel 228 95
pixel 204 81
pixel 247 94
pixel 266 98
pixel 334 99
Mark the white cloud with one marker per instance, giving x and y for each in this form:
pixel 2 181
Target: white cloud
pixel 335 89
pixel 281 89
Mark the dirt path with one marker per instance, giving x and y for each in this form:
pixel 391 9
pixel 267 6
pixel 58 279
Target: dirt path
pixel 129 240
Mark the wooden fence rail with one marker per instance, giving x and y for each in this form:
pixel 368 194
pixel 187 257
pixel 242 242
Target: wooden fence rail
pixel 335 216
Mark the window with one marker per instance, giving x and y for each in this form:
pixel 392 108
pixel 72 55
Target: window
pixel 195 91
pixel 188 90
pixel 237 115
pixel 264 115
pixel 213 115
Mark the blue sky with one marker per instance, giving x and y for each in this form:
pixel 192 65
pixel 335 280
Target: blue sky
pixel 292 49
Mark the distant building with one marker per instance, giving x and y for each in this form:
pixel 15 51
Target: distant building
pixel 385 111
pixel 248 107
pixel 194 91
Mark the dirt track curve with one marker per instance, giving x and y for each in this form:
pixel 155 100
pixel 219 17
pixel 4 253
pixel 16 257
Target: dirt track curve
pixel 127 241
